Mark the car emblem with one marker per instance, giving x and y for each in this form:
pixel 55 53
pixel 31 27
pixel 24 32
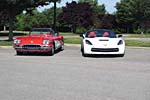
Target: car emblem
pixel 31 41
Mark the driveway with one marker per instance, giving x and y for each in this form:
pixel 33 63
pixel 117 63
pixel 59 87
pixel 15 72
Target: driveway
pixel 69 76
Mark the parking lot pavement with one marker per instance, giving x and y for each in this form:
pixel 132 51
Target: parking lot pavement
pixel 69 76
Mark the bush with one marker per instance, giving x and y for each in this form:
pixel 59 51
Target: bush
pixel 117 31
pixel 80 30
pixel 148 31
pixel 138 31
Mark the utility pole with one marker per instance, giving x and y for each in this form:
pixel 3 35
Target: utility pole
pixel 54 23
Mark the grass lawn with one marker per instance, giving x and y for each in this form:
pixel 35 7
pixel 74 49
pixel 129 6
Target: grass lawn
pixel 138 36
pixel 68 34
pixel 72 40
pixel 137 43
pixel 6 43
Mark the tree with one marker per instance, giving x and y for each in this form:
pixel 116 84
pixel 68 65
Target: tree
pixel 97 10
pixel 133 13
pixel 76 15
pixel 124 14
pixel 55 7
pixel 15 7
pixel 108 21
pixel 26 21
pixel 91 2
pixel 50 16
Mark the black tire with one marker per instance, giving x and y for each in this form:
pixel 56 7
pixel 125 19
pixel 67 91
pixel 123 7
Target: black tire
pixel 83 54
pixel 121 55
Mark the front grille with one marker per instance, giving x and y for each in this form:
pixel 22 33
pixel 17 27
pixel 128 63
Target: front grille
pixel 31 47
pixel 105 49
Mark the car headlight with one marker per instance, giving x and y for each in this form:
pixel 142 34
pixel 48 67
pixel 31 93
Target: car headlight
pixel 88 42
pixel 16 41
pixel 46 42
pixel 120 42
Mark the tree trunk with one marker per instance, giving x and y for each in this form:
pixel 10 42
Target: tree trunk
pixel 11 24
pixel 10 29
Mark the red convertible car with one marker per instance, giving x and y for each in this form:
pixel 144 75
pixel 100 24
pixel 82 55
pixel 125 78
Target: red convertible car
pixel 40 40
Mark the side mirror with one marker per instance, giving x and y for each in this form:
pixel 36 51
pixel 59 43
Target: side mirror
pixel 119 36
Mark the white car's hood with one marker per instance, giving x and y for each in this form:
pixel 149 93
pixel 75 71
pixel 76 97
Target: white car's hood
pixel 104 42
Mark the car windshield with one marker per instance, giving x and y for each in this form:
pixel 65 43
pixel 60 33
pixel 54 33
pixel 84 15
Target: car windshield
pixel 40 31
pixel 100 33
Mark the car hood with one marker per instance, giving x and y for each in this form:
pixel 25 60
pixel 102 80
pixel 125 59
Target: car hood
pixel 104 42
pixel 34 39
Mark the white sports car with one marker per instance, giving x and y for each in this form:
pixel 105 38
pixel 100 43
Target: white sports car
pixel 103 42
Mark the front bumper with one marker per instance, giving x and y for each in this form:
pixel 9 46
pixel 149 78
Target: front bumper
pixel 32 48
pixel 93 50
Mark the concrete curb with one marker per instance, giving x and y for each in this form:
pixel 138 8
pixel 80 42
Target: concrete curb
pixel 5 47
pixel 77 45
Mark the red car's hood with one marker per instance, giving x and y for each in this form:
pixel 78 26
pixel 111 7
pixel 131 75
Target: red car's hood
pixel 34 39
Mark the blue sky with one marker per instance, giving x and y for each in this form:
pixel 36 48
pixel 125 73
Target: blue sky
pixel 109 4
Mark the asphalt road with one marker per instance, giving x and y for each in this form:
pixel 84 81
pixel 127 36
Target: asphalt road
pixel 69 76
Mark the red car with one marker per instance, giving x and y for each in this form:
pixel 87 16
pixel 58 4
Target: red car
pixel 40 40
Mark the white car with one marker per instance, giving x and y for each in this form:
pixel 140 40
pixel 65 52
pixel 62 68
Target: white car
pixel 104 42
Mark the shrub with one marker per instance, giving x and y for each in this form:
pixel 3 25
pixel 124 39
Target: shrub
pixel 137 31
pixel 148 31
pixel 80 30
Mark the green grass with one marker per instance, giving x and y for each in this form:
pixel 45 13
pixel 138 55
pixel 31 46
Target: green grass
pixel 72 40
pixel 138 36
pixel 68 34
pixel 137 43
pixel 6 43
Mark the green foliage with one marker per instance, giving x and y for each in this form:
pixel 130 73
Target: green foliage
pixel 80 30
pixel 137 31
pixel 49 13
pixel 133 14
pixel 148 31
pixel 27 22
pixel 37 19
pixel 91 2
